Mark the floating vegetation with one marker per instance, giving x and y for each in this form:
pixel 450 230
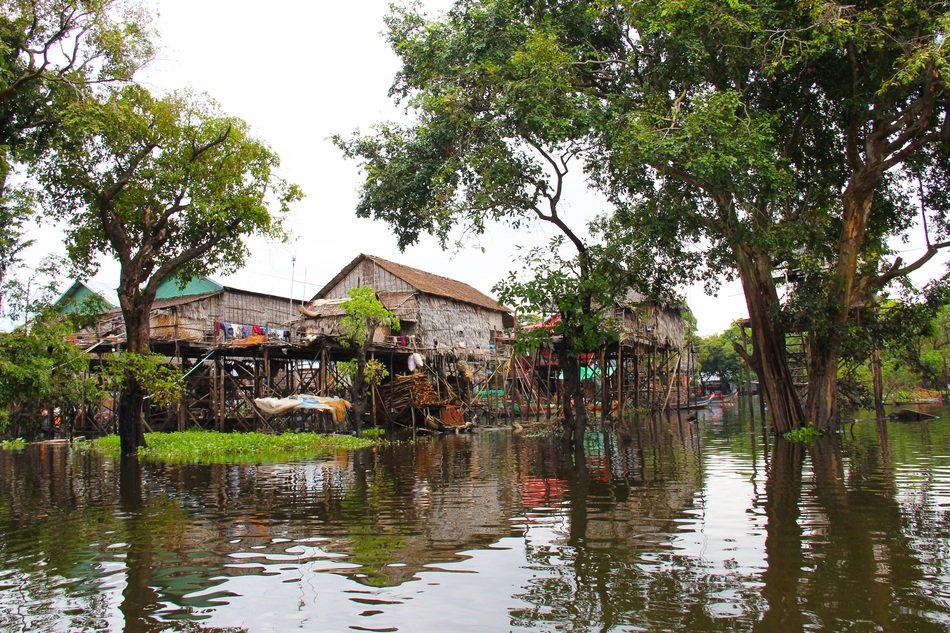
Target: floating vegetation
pixel 198 446
pixel 374 433
pixel 13 445
pixel 806 433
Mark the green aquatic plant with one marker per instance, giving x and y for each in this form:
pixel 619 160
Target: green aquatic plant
pixel 199 446
pixel 13 445
pixel 807 433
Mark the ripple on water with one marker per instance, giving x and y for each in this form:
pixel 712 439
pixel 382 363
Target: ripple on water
pixel 667 530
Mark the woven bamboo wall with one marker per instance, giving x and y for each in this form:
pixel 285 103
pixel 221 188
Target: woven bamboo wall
pixel 194 320
pixel 446 324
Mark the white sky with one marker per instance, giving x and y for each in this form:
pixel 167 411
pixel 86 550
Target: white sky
pixel 299 72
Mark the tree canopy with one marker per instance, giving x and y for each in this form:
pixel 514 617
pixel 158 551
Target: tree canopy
pixel 750 140
pixel 53 52
pixel 168 186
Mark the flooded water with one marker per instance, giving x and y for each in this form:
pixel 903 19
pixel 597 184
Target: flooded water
pixel 667 525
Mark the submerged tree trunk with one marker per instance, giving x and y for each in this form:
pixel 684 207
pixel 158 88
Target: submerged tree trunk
pixel 575 409
pixel 821 404
pixel 845 289
pixel 769 357
pixel 132 399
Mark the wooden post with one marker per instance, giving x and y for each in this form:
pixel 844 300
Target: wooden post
pixel 651 377
pixel 621 404
pixel 372 396
pixel 878 381
pixel 268 377
pixel 322 388
pixel 676 377
pixel 219 388
pixel 637 350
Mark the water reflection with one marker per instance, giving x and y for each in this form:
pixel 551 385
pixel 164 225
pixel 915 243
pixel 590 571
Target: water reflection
pixel 660 524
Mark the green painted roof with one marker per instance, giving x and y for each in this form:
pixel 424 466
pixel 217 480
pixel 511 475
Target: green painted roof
pixel 75 296
pixel 170 288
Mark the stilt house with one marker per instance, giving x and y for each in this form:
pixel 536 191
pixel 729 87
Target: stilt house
pixel 435 313
pixel 205 312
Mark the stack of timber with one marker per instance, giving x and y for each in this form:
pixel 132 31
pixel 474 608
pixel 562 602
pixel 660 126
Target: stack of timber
pixel 410 401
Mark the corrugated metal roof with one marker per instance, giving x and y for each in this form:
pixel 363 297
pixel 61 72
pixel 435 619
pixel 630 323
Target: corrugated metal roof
pixel 423 282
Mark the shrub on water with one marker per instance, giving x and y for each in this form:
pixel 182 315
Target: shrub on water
pixel 214 447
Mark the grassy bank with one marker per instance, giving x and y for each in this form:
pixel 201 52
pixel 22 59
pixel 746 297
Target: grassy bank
pixel 209 447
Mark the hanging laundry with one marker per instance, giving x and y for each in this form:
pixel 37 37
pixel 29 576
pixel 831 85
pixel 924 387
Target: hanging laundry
pixel 257 330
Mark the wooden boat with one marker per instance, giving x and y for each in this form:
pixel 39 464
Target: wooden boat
pixel 697 403
pixel 728 397
pixel 910 415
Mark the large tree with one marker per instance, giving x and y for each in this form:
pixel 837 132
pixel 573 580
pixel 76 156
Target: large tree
pixel 783 137
pixel 53 52
pixel 169 187
pixel 762 141
pixel 495 135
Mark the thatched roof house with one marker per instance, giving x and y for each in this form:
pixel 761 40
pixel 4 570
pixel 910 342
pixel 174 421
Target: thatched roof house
pixel 639 320
pixel 648 321
pixel 435 312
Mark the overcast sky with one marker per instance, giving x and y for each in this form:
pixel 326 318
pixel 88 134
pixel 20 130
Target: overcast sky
pixel 299 72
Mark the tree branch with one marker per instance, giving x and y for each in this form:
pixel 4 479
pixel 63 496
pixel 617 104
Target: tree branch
pixel 218 140
pixel 188 255
pixel 895 270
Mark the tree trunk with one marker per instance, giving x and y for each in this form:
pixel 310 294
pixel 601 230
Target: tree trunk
pixel 132 398
pixel 821 405
pixel 359 391
pixel 575 409
pixel 844 290
pixel 769 358
pixel 131 409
